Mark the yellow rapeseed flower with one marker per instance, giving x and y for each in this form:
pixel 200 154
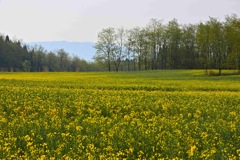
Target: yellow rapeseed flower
pixel 190 152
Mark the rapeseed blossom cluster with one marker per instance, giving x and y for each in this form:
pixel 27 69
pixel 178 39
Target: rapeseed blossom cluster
pixel 51 119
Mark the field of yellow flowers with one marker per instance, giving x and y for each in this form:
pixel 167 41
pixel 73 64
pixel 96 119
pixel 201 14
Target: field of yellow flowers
pixel 129 115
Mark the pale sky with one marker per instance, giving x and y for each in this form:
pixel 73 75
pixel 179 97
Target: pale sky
pixel 81 20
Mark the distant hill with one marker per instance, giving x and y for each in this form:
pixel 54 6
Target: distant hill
pixel 83 50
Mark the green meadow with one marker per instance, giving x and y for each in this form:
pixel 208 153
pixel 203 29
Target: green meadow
pixel 169 114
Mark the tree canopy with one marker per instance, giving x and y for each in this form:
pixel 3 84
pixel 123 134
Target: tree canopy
pixel 16 56
pixel 213 44
pixel 210 45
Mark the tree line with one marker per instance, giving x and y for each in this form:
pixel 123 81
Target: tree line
pixel 210 45
pixel 16 56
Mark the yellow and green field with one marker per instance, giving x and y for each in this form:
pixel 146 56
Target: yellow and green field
pixel 172 114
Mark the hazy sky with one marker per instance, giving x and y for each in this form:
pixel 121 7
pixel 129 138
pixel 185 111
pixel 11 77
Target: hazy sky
pixel 81 20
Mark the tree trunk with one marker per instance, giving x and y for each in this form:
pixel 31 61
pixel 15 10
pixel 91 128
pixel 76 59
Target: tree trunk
pixel 109 65
pixel 219 71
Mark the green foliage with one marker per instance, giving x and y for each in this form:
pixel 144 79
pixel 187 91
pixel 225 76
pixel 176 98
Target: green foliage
pixel 26 66
pixel 14 56
pixel 171 114
pixel 210 45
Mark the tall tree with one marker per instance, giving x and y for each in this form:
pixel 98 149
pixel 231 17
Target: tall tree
pixel 155 38
pixel 63 60
pixel 75 64
pixel 105 47
pixel 138 40
pixel 203 45
pixel 232 30
pixel 188 42
pixel 217 42
pixel 128 45
pixel 174 38
pixel 26 66
pixel 38 57
pixel 52 62
pixel 118 52
pixel 7 39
